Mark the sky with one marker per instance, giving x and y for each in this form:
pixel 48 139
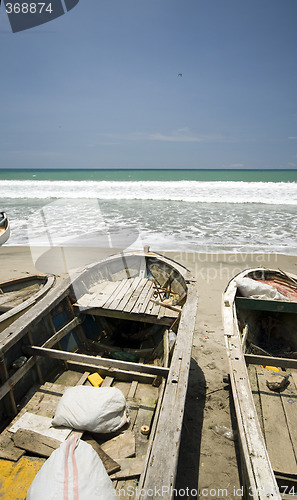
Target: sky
pixel 99 88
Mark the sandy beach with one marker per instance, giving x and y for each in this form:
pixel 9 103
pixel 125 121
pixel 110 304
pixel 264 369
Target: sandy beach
pixel 208 460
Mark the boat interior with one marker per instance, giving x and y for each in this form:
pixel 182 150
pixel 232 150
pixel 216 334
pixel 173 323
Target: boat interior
pixel 119 322
pixel 268 331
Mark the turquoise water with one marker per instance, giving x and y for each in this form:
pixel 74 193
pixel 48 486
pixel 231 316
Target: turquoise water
pixel 186 210
pixel 152 175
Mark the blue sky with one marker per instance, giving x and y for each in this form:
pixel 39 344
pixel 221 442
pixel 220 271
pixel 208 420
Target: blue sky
pixel 98 87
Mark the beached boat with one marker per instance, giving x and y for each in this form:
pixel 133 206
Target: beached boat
pixel 260 321
pixel 129 318
pixel 18 294
pixel 4 228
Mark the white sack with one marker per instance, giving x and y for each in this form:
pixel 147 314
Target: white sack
pixel 257 290
pixel 73 471
pixel 93 409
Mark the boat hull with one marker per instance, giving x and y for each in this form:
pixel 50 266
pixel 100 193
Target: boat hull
pixel 59 332
pixel 19 294
pixel 4 228
pixel 246 320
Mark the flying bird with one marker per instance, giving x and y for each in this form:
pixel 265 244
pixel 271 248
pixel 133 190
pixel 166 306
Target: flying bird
pixel 179 74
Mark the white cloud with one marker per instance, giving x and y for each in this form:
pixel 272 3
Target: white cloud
pixel 179 135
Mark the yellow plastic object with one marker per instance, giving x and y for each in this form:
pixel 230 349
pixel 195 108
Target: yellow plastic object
pixel 95 379
pixel 16 477
pixel 273 368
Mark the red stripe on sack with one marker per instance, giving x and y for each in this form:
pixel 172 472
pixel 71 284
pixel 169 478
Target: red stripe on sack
pixel 66 471
pixel 75 470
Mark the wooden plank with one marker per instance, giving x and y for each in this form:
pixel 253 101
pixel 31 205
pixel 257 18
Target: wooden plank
pixel 146 302
pixel 278 442
pixel 144 418
pixel 128 286
pixel 132 390
pixel 135 295
pixel 14 379
pixel 121 446
pixel 107 382
pixel 62 332
pixel 294 376
pixel 252 371
pixel 130 467
pixel 167 306
pixel 99 299
pixel 135 282
pixel 145 318
pixel 8 450
pixel 289 401
pixel 144 295
pixel 254 359
pixel 104 362
pixel 110 465
pixel 116 296
pixel 83 378
pixel 119 374
pixel 36 443
pixel 40 424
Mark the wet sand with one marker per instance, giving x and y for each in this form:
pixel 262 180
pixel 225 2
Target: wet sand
pixel 208 463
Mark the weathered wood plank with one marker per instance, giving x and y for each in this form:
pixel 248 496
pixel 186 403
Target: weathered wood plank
pixel 128 286
pixel 144 296
pixel 121 446
pixel 278 442
pixel 135 295
pixel 110 465
pixel 145 318
pixel 130 467
pixel 36 443
pixel 116 295
pixel 62 332
pixel 104 362
pixel 254 359
pixel 252 371
pixel 8 450
pixel 289 401
pixel 132 390
pixel 125 375
pixel 100 299
pixel 147 301
pixel 144 418
pixel 132 286
pixel 107 382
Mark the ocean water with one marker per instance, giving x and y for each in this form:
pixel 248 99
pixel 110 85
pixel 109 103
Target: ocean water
pixel 184 210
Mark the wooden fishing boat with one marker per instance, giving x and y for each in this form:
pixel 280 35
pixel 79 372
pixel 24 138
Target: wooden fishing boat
pixel 17 295
pixel 260 321
pixel 129 318
pixel 4 228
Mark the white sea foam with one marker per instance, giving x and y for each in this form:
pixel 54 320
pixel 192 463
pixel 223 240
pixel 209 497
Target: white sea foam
pixel 184 215
pixel 268 193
